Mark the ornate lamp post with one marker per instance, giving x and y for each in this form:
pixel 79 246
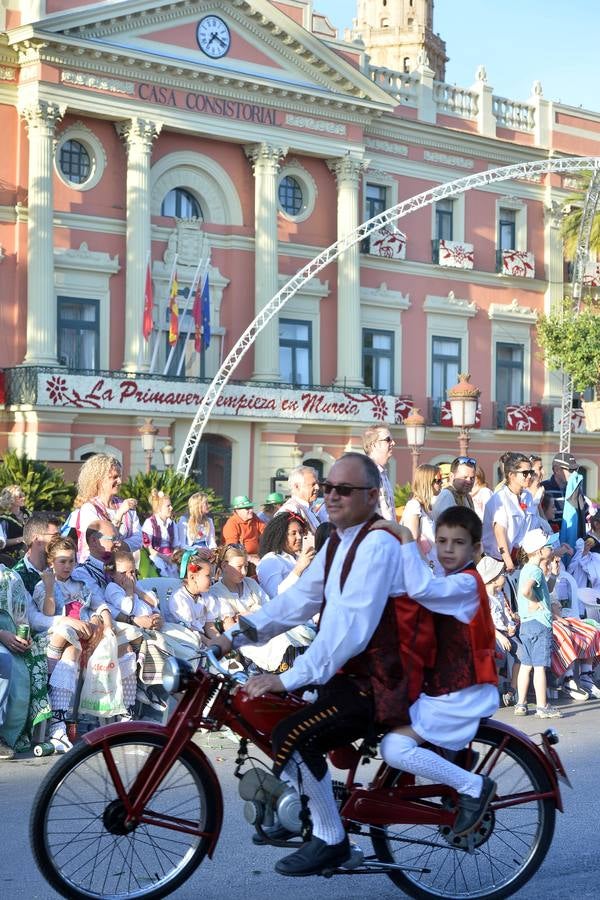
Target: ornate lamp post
pixel 416 429
pixel 148 432
pixel 168 453
pixel 463 399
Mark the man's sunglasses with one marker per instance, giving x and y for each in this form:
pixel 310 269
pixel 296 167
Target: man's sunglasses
pixel 466 461
pixel 388 440
pixel 344 490
pixel 527 472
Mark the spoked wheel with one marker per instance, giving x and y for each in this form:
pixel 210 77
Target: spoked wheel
pixel 506 849
pixel 82 841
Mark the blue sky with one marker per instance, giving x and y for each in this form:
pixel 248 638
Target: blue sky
pixel 518 42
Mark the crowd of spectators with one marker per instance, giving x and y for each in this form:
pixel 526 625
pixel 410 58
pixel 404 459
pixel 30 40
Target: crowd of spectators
pixel 70 589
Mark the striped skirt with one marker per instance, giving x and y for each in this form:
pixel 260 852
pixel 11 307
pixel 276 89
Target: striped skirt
pixel 573 639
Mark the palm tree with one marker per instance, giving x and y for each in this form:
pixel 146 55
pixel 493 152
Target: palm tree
pixel 571 222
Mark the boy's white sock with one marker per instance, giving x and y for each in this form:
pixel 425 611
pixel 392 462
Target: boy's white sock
pixel 324 813
pixel 403 752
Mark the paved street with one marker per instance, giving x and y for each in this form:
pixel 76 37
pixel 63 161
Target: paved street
pixel 245 872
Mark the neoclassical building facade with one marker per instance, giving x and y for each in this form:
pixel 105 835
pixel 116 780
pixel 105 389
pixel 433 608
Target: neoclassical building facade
pixel 152 142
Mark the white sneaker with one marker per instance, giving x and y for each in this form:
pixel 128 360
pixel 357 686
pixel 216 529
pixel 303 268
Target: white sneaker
pixel 575 692
pixel 59 739
pixel 589 685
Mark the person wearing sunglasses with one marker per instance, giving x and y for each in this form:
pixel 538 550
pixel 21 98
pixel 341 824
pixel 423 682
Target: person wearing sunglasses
pixel 354 584
pixel 379 445
pixel 507 518
pixel 103 540
pixel 458 491
pixel 417 515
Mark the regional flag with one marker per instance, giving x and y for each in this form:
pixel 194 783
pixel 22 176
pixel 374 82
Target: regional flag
pixel 206 314
pixel 148 323
pixel 173 311
pixel 197 317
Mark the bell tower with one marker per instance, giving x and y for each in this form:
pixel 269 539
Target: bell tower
pixel 396 32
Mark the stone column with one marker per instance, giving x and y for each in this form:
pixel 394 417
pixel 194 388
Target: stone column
pixel 266 160
pixel 138 136
pixel 41 119
pixel 349 336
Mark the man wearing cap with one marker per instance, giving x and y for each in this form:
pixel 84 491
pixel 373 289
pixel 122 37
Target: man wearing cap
pixel 458 491
pixel 563 465
pixel 243 526
pixel 270 507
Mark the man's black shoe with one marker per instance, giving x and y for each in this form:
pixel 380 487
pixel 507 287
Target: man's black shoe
pixel 313 857
pixel 274 833
pixel 471 810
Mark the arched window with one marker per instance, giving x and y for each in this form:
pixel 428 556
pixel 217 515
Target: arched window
pixel 180 204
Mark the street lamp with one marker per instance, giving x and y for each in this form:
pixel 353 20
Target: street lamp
pixel 148 432
pixel 168 452
pixel 416 429
pixel 463 399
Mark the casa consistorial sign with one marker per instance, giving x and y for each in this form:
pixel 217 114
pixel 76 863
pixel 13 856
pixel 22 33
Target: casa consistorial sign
pixel 89 392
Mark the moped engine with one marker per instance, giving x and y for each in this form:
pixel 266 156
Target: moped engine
pixel 269 801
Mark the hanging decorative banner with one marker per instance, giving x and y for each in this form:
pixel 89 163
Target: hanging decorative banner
pixel 456 255
pixel 388 242
pixel 158 396
pixel 524 418
pixel 591 275
pixel 577 421
pixel 520 263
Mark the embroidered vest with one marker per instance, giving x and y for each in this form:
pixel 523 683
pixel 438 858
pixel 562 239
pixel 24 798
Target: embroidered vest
pixel 466 654
pixel 402 645
pixel 156 541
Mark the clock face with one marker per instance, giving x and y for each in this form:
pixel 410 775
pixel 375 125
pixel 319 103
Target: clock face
pixel 213 36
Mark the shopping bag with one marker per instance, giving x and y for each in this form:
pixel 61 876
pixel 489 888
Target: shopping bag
pixel 102 691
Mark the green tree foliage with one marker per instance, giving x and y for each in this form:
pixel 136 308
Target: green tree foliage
pixel 572 218
pixel 402 493
pixel 570 341
pixel 178 487
pixel 44 488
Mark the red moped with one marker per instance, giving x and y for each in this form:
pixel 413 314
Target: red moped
pixel 135 809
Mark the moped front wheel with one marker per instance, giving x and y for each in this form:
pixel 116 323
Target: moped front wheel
pixel 504 851
pixel 81 838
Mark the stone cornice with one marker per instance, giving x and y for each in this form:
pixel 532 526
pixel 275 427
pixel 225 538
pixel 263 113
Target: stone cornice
pixel 84 258
pixel 512 312
pixel 305 52
pixel 450 306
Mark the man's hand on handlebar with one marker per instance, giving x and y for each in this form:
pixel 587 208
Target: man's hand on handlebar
pixel 220 641
pixel 263 684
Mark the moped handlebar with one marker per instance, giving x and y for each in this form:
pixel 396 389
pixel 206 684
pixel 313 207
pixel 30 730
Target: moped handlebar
pixel 210 653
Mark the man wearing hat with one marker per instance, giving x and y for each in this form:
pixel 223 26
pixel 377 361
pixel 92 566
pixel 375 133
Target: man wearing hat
pixel 271 506
pixel 564 465
pixel 243 526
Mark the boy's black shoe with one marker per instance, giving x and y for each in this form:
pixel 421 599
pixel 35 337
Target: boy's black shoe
pixel 313 857
pixel 471 810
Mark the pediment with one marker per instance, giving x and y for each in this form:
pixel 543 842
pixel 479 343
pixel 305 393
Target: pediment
pixel 266 45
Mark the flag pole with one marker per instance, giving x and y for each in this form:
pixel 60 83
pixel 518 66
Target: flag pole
pixel 158 328
pixel 182 313
pixel 201 271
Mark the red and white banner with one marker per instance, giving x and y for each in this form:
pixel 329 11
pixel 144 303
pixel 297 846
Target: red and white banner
pixel 524 418
pixel 456 255
pixel 144 396
pixel 388 242
pixel 591 275
pixel 520 263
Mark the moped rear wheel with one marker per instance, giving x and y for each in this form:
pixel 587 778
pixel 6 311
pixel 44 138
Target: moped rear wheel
pixel 81 840
pixel 507 848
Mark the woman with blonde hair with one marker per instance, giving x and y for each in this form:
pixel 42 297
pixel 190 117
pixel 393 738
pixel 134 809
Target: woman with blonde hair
pixel 98 498
pixel 197 529
pixel 417 516
pixel 13 516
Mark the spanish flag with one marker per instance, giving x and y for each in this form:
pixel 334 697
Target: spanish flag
pixel 174 311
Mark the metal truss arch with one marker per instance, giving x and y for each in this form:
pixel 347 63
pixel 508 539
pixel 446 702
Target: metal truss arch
pixel 330 254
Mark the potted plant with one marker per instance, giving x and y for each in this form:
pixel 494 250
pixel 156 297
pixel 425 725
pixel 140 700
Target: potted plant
pixel 570 341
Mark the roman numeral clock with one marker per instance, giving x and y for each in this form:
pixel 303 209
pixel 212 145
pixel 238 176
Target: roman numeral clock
pixel 213 36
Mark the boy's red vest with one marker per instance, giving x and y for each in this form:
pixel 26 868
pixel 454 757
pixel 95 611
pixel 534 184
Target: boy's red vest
pixel 466 654
pixel 403 644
